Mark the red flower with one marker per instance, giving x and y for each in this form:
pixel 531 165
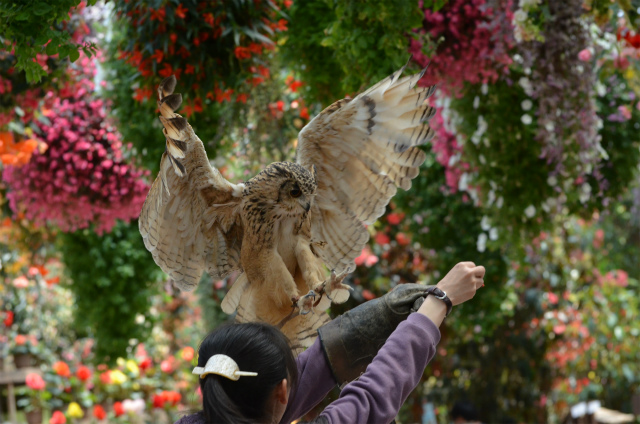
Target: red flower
pixel 188 353
pixel 118 409
pixel 158 14
pixel 395 218
pixel 208 18
pixel 288 3
pixel 242 53
pixel 105 377
pixel 403 239
pixel 58 418
pixel 368 295
pixel 83 373
pixel 241 98
pixel 295 85
pixel 167 71
pixel 52 281
pixel 281 25
pixel 304 113
pixel 99 412
pixel 264 71
pixel 145 364
pixel 8 321
pixel 157 56
pixel 172 397
pixel 62 369
pixel 381 238
pixel 181 11
pixel 35 381
pixel 158 401
pixel 255 48
pixel 256 81
pixel 20 340
pixel 280 105
pixel 189 69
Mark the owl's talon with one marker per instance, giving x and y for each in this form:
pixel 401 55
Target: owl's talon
pixel 305 303
pixel 334 285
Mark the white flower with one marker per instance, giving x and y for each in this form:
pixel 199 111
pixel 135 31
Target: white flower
pixel 482 128
pixel 520 16
pixel 552 181
pixel 525 83
pixel 526 119
pixel 481 244
pixel 485 224
pixel 484 89
pixel 549 126
pixel 526 104
pixel 499 202
pixel 517 58
pixel 463 183
pixel 135 406
pixel 530 211
pixel 476 102
pixel 493 234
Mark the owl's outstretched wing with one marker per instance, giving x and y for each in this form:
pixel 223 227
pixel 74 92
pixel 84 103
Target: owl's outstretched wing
pixel 190 221
pixel 363 149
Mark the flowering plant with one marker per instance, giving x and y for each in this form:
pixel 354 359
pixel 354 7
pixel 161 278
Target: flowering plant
pixel 36 395
pixel 83 176
pixel 214 48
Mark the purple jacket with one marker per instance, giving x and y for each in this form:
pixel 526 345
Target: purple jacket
pixel 378 394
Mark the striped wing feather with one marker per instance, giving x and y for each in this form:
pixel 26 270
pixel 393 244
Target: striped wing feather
pixel 190 221
pixel 363 150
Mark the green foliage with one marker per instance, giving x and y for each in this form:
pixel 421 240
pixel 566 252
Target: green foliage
pixel 449 226
pixel 113 279
pixel 341 47
pixel 506 155
pixel 28 25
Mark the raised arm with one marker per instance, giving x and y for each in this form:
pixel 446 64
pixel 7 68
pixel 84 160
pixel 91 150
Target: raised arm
pixel 397 368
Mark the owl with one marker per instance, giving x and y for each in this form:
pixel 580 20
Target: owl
pixel 295 229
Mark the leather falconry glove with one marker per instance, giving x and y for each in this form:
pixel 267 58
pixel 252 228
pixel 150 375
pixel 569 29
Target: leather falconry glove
pixel 352 340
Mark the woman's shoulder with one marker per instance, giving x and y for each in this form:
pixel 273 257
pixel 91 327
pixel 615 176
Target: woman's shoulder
pixel 197 418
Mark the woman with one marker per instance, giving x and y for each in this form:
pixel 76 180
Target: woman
pixel 248 373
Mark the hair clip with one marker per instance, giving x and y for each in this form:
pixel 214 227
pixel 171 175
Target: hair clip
pixel 224 366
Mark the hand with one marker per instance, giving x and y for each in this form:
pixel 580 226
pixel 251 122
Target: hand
pixel 462 281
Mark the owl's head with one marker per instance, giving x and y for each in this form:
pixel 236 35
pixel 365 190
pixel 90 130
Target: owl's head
pixel 293 187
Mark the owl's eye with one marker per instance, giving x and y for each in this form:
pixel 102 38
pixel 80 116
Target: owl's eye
pixel 295 192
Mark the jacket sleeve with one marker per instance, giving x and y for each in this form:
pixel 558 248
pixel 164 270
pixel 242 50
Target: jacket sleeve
pixel 396 370
pixel 314 382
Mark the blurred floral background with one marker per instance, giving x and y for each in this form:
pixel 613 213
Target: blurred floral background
pixel 534 173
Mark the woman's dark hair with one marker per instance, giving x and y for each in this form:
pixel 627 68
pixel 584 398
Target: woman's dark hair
pixel 255 347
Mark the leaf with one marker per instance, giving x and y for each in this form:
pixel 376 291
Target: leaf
pixel 51 49
pixel 74 55
pixel 256 35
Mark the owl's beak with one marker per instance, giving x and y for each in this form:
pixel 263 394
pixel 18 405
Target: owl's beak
pixel 307 206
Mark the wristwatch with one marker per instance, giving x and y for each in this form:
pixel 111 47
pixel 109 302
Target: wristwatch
pixel 440 295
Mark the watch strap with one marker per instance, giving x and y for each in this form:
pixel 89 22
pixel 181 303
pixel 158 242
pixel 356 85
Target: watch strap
pixel 440 295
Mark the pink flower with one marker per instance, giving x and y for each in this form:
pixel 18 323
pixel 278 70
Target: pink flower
pixel 625 112
pixel 35 381
pixel 559 329
pixel 585 55
pixel 20 282
pixel 553 298
pixel 366 258
pixel 167 364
